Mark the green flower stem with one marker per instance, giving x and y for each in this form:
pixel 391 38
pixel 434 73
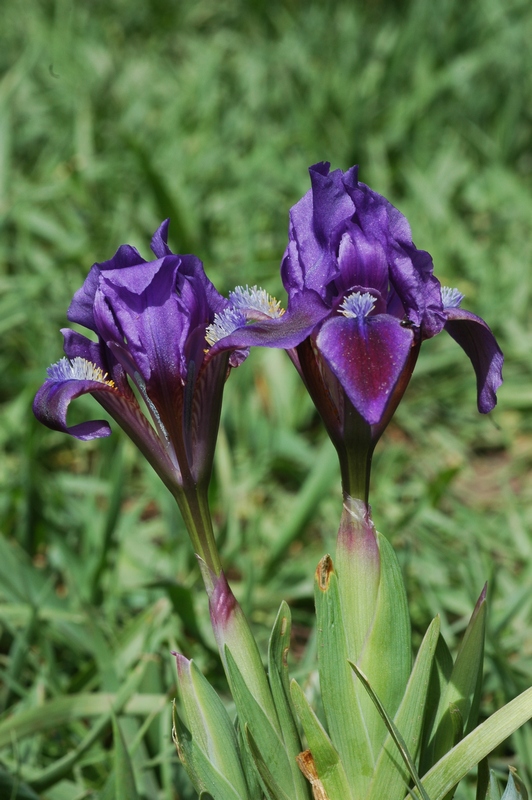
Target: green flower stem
pixel 232 632
pixel 357 563
pixel 239 652
pixel 230 625
pixel 374 614
pixel 194 506
pixel 355 452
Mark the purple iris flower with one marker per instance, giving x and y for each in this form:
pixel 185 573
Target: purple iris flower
pixel 361 299
pixel 149 368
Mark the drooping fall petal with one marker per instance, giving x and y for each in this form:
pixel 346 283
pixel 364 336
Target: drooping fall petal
pixel 66 381
pixel 367 355
pixel 477 340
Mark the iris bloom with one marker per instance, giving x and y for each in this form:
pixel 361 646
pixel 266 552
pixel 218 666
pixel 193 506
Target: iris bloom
pixel 149 369
pixel 361 299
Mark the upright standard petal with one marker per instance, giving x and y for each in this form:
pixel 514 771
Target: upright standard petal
pixel 410 270
pixel 82 306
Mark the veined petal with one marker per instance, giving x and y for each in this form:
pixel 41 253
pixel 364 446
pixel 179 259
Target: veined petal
pixel 70 378
pixel 362 262
pixel 367 356
pixel 208 299
pixel 66 381
pixel 410 269
pixel 141 307
pixel 81 308
pixel 422 292
pixel 310 260
pixel 477 340
pixel 331 203
pixel 305 311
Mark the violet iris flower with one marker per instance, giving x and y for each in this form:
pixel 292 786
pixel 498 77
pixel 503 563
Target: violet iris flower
pixel 361 299
pixel 149 369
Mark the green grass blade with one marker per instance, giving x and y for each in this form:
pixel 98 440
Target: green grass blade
pixel 391 776
pixel 68 708
pixel 58 769
pixel 329 767
pixel 251 714
pixel 125 787
pixel 462 691
pixel 347 727
pixel 271 788
pixel 248 765
pixel 316 485
pixel 393 730
pixel 280 685
pixel 439 680
pixel 450 769
pixel 12 788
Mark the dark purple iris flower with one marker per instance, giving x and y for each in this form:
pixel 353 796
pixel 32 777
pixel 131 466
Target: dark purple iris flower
pixel 361 299
pixel 150 319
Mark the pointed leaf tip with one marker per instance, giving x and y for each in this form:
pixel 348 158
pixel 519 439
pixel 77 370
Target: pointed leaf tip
pixel 483 595
pixel 515 788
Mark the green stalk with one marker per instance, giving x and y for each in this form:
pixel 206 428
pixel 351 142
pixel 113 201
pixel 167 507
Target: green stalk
pixel 194 506
pixel 357 563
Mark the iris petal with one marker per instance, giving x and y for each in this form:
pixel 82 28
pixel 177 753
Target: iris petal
pixel 81 308
pixel 367 356
pixel 305 311
pixel 410 269
pixel 331 203
pixel 159 242
pixel 53 399
pixel 477 340
pixel 313 220
pixel 142 309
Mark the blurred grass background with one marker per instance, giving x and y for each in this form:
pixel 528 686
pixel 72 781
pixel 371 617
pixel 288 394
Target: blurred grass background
pixel 115 115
